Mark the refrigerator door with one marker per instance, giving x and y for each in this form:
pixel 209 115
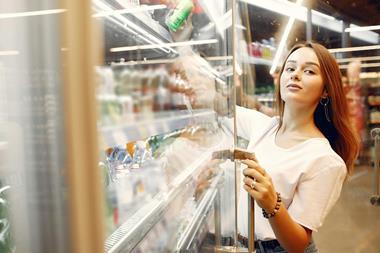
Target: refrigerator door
pixel 165 102
pixel 49 200
pixel 33 182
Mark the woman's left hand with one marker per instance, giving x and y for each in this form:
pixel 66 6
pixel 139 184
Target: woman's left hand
pixel 259 185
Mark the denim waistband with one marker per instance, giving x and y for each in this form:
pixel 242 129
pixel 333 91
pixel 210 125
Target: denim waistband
pixel 270 244
pixel 273 245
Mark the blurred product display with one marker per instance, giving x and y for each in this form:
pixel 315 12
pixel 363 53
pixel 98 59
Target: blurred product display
pixel 160 112
pixel 111 111
pixel 6 242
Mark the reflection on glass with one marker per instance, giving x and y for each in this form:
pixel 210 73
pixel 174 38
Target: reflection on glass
pixel 33 208
pixel 162 91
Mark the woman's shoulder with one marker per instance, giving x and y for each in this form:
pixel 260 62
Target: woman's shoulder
pixel 252 123
pixel 254 117
pixel 323 157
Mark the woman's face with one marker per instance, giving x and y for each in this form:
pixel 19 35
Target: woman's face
pixel 301 81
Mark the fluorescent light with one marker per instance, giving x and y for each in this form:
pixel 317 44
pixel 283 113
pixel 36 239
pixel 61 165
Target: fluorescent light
pixel 284 38
pixel 285 8
pixel 317 13
pixel 241 27
pixel 362 28
pixel 160 45
pixel 219 58
pixel 30 13
pixel 364 75
pixel 211 11
pixel 365 65
pixel 9 52
pixel 130 26
pixel 351 49
pixel 238 69
pixel 290 9
pixel 144 62
pixel 129 10
pixel 369 58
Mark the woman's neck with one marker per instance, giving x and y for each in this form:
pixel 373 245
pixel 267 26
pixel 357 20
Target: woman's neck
pixel 299 121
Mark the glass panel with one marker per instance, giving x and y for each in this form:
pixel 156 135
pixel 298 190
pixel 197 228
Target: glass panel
pixel 163 91
pixel 33 209
pixel 351 33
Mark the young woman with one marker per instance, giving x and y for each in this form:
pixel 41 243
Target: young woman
pixel 302 156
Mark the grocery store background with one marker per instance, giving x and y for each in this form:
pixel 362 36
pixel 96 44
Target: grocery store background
pixel 111 111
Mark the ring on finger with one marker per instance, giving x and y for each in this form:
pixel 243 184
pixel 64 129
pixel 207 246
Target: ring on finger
pixel 253 185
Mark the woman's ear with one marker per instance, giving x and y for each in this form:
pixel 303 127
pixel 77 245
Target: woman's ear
pixel 325 94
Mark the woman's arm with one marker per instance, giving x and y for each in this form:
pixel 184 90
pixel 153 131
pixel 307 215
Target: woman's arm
pixel 291 235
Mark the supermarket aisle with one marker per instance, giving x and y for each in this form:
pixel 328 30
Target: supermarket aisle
pixel 354 224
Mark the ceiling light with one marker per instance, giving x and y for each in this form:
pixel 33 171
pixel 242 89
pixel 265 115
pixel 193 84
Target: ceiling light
pixel 290 9
pixel 285 8
pixel 283 40
pixel 317 13
pixel 219 58
pixel 351 49
pixel 175 44
pixel 364 75
pixel 362 28
pixel 30 13
pixel 130 26
pixel 129 10
pixel 369 58
pixel 365 65
pixel 240 27
pixel 9 52
pixel 144 62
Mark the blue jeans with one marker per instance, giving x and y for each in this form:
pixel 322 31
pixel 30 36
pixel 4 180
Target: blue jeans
pixel 274 246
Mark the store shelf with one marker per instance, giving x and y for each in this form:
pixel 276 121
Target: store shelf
pixel 143 19
pixel 129 234
pixel 113 97
pixel 144 126
pixel 261 61
pixel 199 217
pixel 265 99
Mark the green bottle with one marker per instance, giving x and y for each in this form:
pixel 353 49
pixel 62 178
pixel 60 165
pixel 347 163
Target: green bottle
pixel 180 14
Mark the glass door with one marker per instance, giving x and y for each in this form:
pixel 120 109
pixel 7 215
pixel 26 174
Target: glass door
pixel 163 91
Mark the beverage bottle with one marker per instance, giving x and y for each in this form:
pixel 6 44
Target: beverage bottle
pixel 141 154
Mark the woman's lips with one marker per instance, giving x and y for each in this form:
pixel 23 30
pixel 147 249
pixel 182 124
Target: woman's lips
pixel 293 86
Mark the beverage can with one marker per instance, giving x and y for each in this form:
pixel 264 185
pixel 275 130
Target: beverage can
pixel 179 14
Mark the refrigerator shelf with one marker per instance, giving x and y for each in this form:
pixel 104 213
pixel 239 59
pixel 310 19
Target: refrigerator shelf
pixel 200 216
pixel 129 234
pixel 260 61
pixel 144 126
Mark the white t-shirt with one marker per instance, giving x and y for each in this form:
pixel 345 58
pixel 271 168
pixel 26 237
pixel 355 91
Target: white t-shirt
pixel 309 176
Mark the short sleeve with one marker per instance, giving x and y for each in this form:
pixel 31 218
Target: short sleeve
pixel 249 122
pixel 316 195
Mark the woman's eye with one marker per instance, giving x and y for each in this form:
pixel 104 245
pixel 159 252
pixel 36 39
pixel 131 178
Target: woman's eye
pixel 289 69
pixel 310 72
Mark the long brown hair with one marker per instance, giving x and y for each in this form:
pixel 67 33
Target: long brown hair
pixel 339 132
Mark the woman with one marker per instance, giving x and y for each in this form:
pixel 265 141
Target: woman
pixel 302 157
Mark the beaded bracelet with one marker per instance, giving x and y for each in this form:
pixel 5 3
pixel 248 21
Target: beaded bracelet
pixel 276 208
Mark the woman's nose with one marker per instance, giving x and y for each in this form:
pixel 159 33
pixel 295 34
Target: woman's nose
pixel 295 75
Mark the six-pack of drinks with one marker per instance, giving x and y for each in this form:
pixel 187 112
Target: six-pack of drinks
pixel 120 161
